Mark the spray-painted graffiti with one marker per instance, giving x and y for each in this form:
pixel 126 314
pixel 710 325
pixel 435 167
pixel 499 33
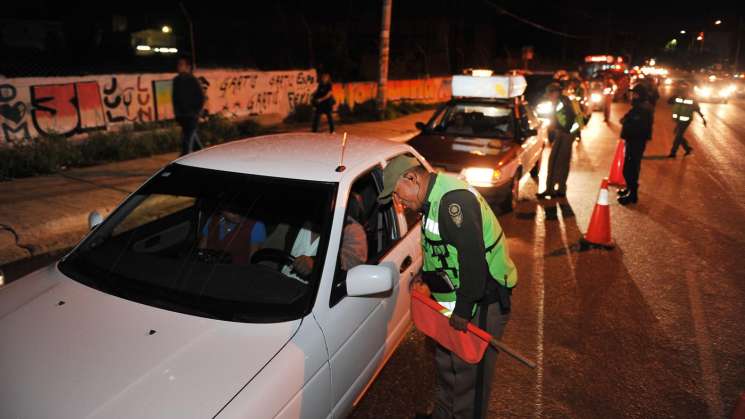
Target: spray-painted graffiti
pixel 30 107
pixel 13 113
pixel 430 90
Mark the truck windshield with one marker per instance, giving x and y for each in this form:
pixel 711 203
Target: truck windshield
pixel 212 243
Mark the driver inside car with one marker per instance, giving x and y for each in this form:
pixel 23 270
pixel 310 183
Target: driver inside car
pixel 458 125
pixel 233 234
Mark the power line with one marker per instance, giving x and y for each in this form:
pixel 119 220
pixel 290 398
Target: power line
pixel 531 23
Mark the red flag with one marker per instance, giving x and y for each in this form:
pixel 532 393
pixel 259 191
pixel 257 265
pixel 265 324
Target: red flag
pixel 429 319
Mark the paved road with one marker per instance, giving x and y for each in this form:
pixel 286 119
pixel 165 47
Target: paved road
pixel 652 329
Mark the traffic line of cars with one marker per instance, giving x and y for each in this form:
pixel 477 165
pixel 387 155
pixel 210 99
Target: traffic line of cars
pixel 259 278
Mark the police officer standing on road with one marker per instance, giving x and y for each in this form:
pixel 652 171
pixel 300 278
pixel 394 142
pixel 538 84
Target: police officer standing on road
pixel 563 129
pixel 636 131
pixel 684 105
pixel 188 101
pixel 471 277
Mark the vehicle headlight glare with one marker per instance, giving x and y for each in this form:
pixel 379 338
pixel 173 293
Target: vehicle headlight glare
pixel 544 108
pixel 480 176
pixel 596 97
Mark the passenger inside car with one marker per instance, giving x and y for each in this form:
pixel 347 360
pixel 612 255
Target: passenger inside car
pixel 232 235
pixel 354 239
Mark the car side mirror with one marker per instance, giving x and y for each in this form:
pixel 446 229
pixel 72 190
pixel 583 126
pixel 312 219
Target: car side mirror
pixel 94 219
pixel 366 280
pixel 420 126
pixel 2 278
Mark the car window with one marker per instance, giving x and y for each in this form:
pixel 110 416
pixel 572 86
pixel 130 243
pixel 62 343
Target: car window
pixel 476 119
pixel 370 230
pixel 214 244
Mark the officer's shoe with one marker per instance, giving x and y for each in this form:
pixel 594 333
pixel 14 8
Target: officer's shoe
pixel 689 151
pixel 628 199
pixel 624 191
pixel 671 156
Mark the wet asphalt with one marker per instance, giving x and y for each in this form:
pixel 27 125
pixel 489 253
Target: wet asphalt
pixel 654 328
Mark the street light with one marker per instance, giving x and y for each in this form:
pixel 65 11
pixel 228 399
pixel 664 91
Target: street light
pixel 166 29
pixel 718 22
pixel 683 32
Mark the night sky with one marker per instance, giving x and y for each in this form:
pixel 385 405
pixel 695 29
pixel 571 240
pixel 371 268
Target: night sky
pixel 428 37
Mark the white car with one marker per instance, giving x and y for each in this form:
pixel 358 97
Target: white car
pixel 146 319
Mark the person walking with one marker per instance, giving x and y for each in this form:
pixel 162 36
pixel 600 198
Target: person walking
pixel 323 102
pixel 562 130
pixel 188 101
pixel 466 267
pixel 684 105
pixel 636 131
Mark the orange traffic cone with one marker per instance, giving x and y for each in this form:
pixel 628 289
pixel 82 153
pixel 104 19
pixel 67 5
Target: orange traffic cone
pixel 598 233
pixel 739 412
pixel 615 178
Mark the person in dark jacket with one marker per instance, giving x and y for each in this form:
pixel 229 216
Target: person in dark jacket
pixel 636 131
pixel 188 101
pixel 323 102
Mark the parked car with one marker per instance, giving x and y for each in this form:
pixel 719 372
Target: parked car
pixel 146 319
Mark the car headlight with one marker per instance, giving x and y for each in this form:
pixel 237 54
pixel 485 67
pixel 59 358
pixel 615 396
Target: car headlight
pixel 668 82
pixel 480 176
pixel 596 97
pixel 725 92
pixel 703 91
pixel 544 108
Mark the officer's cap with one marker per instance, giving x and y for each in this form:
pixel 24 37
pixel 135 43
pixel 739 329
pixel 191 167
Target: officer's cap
pixel 392 172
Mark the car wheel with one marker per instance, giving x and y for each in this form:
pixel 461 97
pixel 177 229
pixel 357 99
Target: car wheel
pixel 510 201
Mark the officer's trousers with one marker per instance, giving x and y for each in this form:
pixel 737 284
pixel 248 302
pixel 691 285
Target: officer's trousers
pixel 680 140
pixel 558 162
pixel 633 163
pixel 455 389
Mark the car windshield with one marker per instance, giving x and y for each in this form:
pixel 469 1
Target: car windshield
pixel 212 243
pixel 474 120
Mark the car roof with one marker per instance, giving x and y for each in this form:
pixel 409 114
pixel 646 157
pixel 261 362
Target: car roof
pixel 298 155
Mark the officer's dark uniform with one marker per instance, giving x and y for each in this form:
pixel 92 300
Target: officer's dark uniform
pixel 636 131
pixel 683 108
pixel 468 270
pixel 562 131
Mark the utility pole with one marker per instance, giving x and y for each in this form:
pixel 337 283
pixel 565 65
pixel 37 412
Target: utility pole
pixel 385 33
pixel 191 36
pixel 739 41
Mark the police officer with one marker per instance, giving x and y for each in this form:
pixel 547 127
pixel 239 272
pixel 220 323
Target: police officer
pixel 636 131
pixel 563 129
pixel 609 91
pixel 684 105
pixel 471 277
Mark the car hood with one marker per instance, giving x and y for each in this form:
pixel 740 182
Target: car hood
pixel 69 351
pixel 452 152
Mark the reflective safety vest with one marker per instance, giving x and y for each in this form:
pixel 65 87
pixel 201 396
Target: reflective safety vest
pixel 562 118
pixel 441 257
pixel 683 109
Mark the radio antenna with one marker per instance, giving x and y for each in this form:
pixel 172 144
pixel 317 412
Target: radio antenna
pixel 341 166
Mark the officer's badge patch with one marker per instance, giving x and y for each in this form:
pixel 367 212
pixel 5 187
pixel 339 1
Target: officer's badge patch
pixel 456 214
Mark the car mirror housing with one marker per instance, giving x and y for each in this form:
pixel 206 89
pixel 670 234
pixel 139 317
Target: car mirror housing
pixel 366 280
pixel 94 219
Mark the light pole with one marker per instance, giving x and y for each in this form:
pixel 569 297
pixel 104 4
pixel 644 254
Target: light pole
pixel 191 35
pixel 385 33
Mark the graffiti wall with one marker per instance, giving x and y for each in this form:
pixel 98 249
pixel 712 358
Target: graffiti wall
pixel 30 107
pixel 431 90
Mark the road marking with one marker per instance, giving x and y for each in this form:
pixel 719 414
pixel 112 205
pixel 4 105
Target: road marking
pixel 539 237
pixel 705 355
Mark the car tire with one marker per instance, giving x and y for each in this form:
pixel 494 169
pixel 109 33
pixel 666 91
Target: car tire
pixel 513 195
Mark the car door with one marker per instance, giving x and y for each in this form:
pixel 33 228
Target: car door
pixel 361 331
